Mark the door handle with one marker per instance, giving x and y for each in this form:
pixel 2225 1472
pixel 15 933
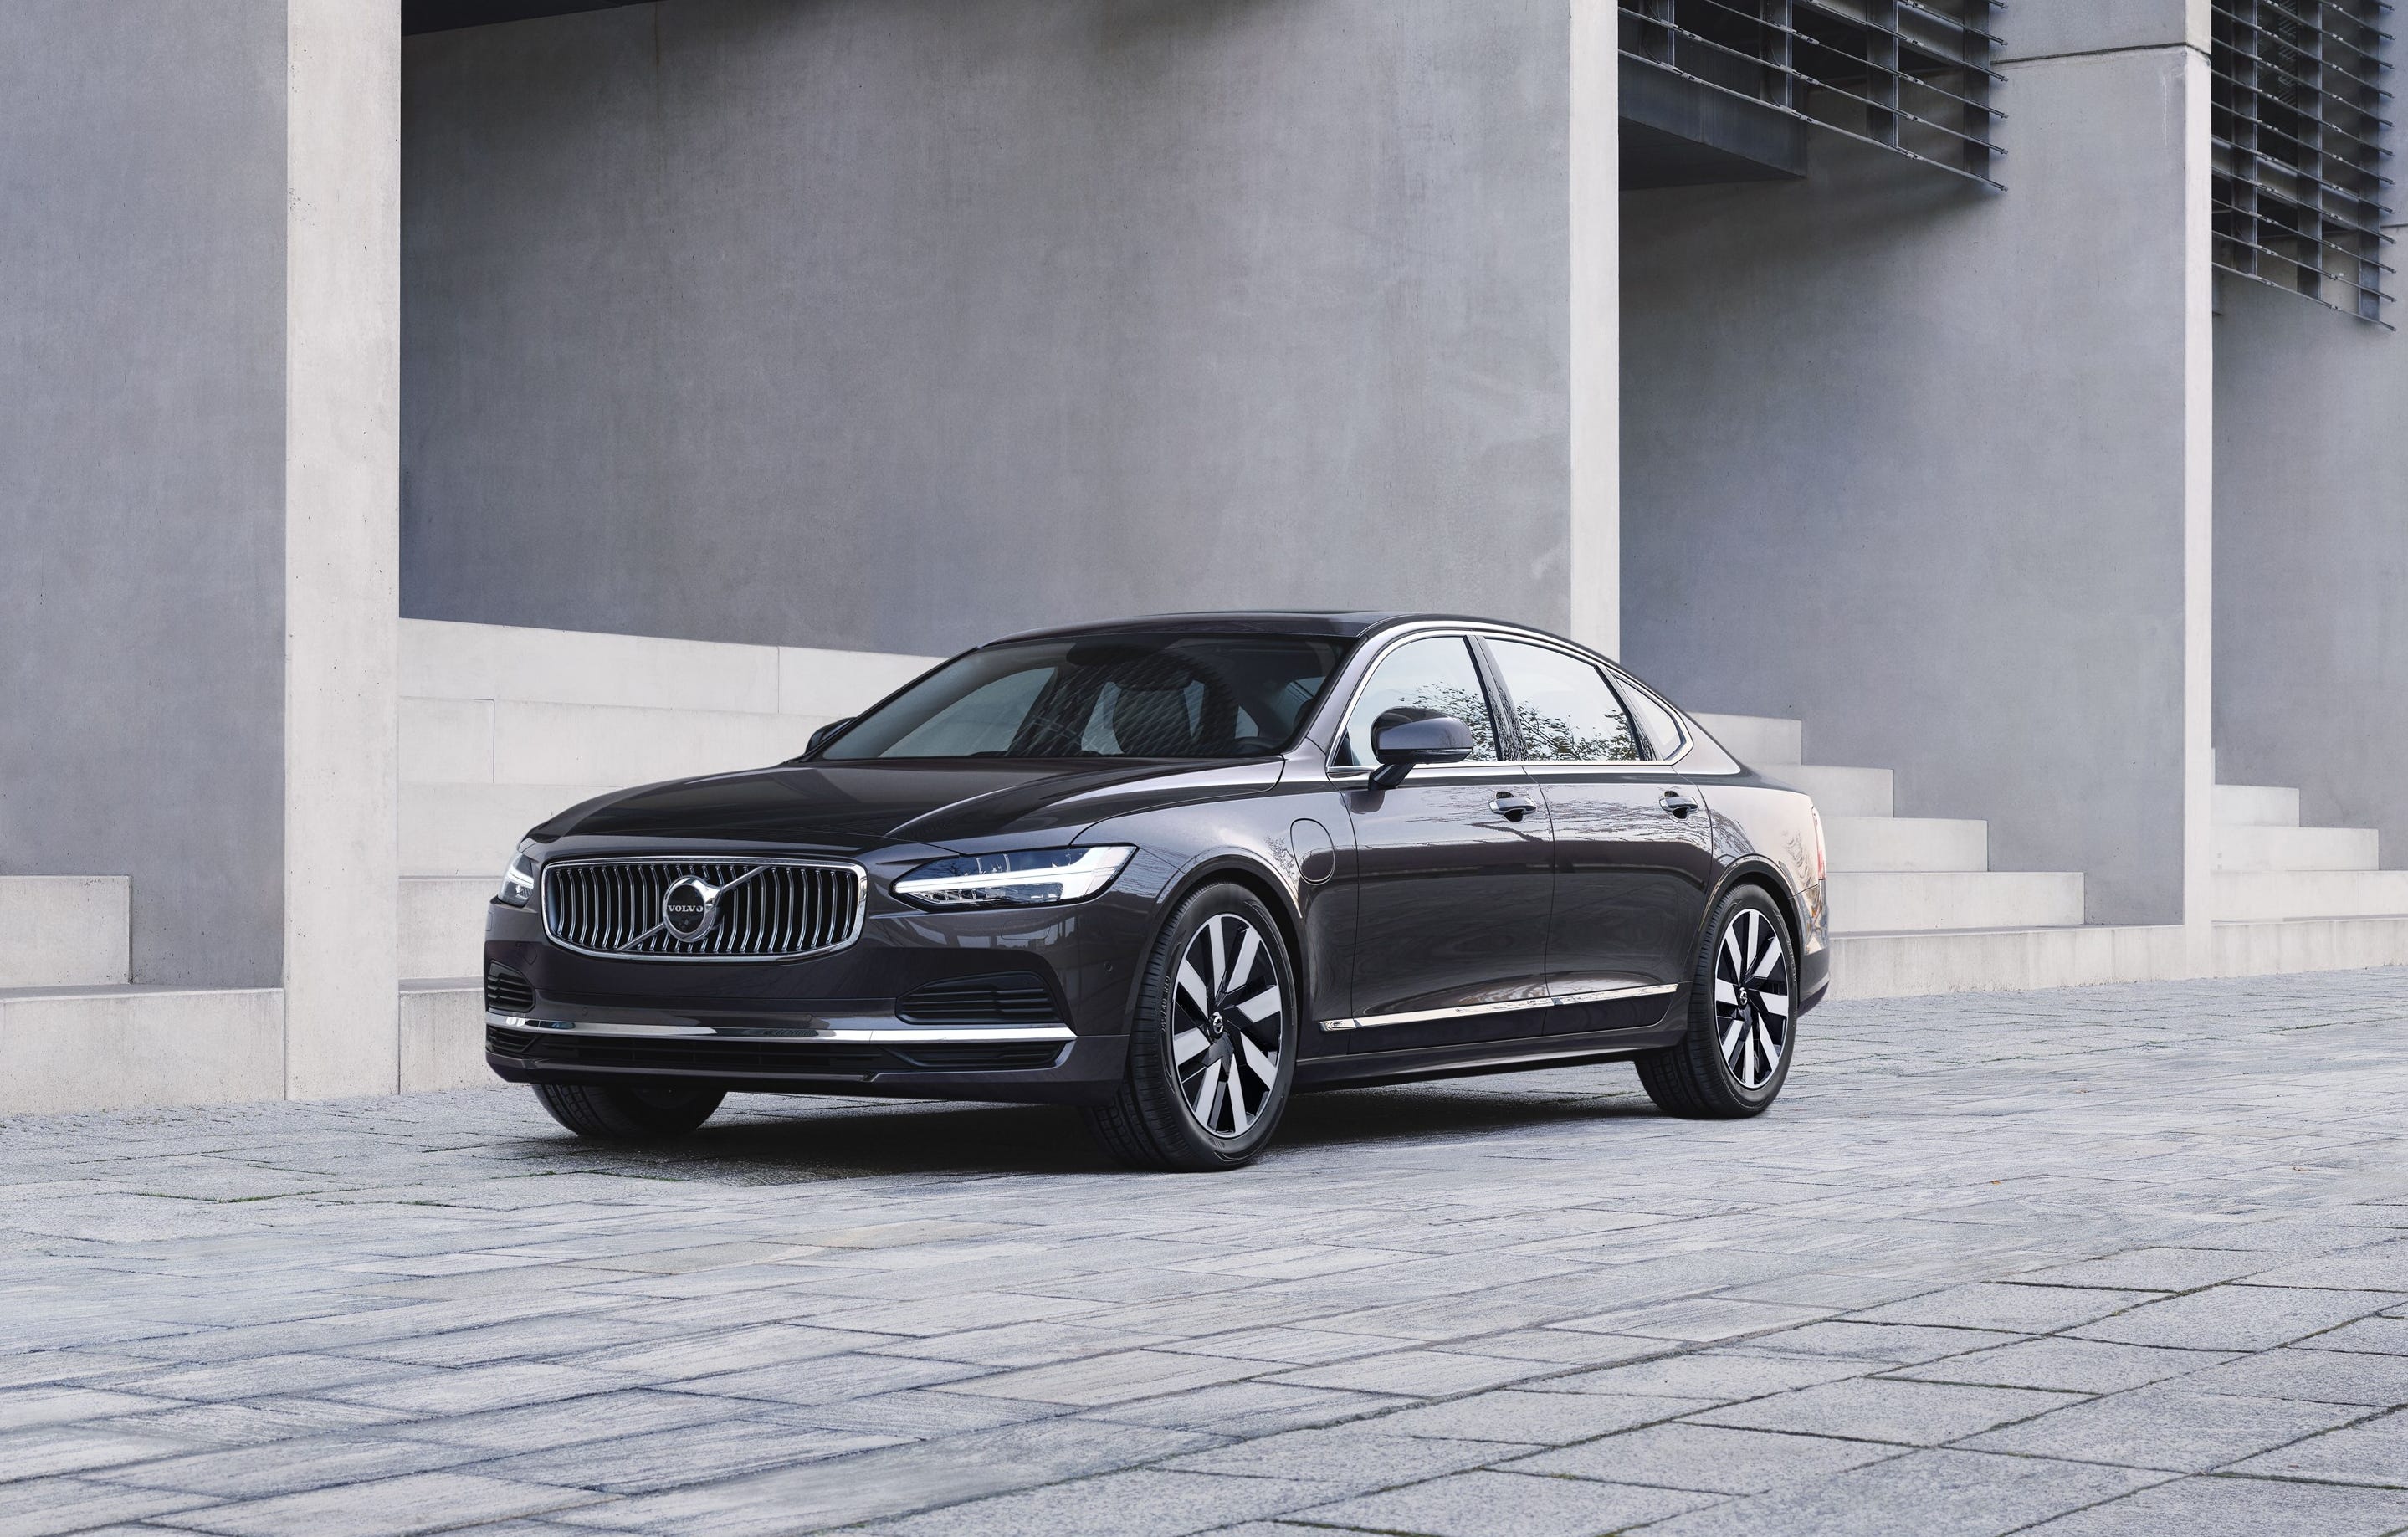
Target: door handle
pixel 1512 805
pixel 1678 804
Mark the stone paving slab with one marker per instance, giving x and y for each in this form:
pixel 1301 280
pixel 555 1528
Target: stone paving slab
pixel 2103 1261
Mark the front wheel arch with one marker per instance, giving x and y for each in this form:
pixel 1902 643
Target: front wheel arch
pixel 1236 869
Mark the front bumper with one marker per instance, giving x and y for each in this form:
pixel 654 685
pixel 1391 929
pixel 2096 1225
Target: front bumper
pixel 830 1023
pixel 1034 1064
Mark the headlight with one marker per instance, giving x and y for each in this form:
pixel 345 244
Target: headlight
pixel 1030 879
pixel 518 881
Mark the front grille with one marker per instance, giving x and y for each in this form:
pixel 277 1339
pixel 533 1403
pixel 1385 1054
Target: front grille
pixel 768 911
pixel 1013 997
pixel 507 992
pixel 766 1059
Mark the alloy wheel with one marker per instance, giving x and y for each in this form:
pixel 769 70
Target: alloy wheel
pixel 1227 1015
pixel 1751 986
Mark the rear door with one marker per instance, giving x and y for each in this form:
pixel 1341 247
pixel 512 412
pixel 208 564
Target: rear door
pixel 1633 845
pixel 1452 868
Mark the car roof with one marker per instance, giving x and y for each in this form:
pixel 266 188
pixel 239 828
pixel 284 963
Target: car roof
pixel 1341 623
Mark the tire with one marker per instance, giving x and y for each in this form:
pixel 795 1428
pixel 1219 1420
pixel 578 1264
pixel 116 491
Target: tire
pixel 628 1115
pixel 1211 1042
pixel 1742 1026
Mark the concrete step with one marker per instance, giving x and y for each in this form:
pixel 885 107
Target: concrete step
pixel 443 924
pixel 2000 959
pixel 120 1048
pixel 443 1036
pixel 2268 896
pixel 1761 741
pixel 2017 959
pixel 64 930
pixel 441 660
pixel 2255 806
pixel 1839 792
pixel 1906 843
pixel 514 741
pixel 2283 848
pixel 472 829
pixel 1887 901
pixel 66 1049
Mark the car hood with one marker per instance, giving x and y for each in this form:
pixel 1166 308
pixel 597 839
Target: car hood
pixel 855 805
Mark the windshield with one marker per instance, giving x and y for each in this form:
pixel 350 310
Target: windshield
pixel 1104 697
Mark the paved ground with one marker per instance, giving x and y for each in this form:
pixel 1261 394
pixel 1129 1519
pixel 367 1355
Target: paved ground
pixel 2107 1261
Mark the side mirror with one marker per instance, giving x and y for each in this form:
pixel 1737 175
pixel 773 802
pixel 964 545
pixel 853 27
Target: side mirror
pixel 824 733
pixel 1404 738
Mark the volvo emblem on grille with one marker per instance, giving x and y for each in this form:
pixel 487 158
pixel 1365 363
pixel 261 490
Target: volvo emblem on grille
pixel 690 909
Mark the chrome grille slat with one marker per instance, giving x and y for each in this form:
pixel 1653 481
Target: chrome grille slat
pixel 772 909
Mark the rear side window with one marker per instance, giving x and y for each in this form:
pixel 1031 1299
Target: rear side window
pixel 1562 706
pixel 1436 673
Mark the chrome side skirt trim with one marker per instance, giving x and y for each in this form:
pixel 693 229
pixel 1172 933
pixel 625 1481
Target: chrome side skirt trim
pixel 1423 1016
pixel 837 1034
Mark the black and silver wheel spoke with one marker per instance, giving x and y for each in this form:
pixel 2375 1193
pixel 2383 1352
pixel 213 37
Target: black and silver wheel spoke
pixel 1226 1013
pixel 1752 998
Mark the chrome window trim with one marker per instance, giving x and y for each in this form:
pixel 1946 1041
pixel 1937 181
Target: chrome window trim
pixel 1616 680
pixel 1405 635
pixel 1552 1001
pixel 860 902
pixel 932 1035
pixel 1391 639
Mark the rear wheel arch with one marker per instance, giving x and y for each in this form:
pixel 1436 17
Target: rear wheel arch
pixel 1756 871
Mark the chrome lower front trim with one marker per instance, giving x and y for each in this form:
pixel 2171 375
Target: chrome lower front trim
pixel 1552 1001
pixel 968 1035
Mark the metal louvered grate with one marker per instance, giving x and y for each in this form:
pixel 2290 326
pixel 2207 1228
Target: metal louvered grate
pixel 1912 75
pixel 1012 997
pixel 2300 115
pixel 507 992
pixel 768 910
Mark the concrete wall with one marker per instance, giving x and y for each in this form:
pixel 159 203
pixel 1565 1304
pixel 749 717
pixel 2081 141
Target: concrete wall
pixel 142 468
pixel 895 325
pixel 1925 464
pixel 2312 559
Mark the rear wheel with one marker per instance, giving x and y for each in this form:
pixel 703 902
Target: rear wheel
pixel 633 1114
pixel 1213 1044
pixel 1742 1017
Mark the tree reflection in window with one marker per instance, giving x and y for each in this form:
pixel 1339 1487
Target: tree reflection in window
pixel 1553 736
pixel 1436 673
pixel 1562 706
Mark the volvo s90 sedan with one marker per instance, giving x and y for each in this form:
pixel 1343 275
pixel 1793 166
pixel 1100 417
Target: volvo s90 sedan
pixel 1174 870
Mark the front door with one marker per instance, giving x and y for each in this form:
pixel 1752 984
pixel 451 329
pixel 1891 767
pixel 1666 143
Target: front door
pixel 1453 872
pixel 1633 845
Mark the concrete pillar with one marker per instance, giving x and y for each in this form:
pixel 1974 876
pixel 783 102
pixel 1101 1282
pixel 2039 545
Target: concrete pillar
pixel 2312 556
pixel 1927 464
pixel 197 495
pixel 342 547
pixel 1593 562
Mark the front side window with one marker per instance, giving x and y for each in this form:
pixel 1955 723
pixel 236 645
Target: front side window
pixel 1104 697
pixel 1563 708
pixel 1437 674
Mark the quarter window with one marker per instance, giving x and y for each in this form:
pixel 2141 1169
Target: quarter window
pixel 1659 734
pixel 1562 706
pixel 1437 674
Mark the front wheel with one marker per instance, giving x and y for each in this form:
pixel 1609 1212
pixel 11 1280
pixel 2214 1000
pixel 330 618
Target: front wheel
pixel 639 1114
pixel 1212 1043
pixel 1742 1017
